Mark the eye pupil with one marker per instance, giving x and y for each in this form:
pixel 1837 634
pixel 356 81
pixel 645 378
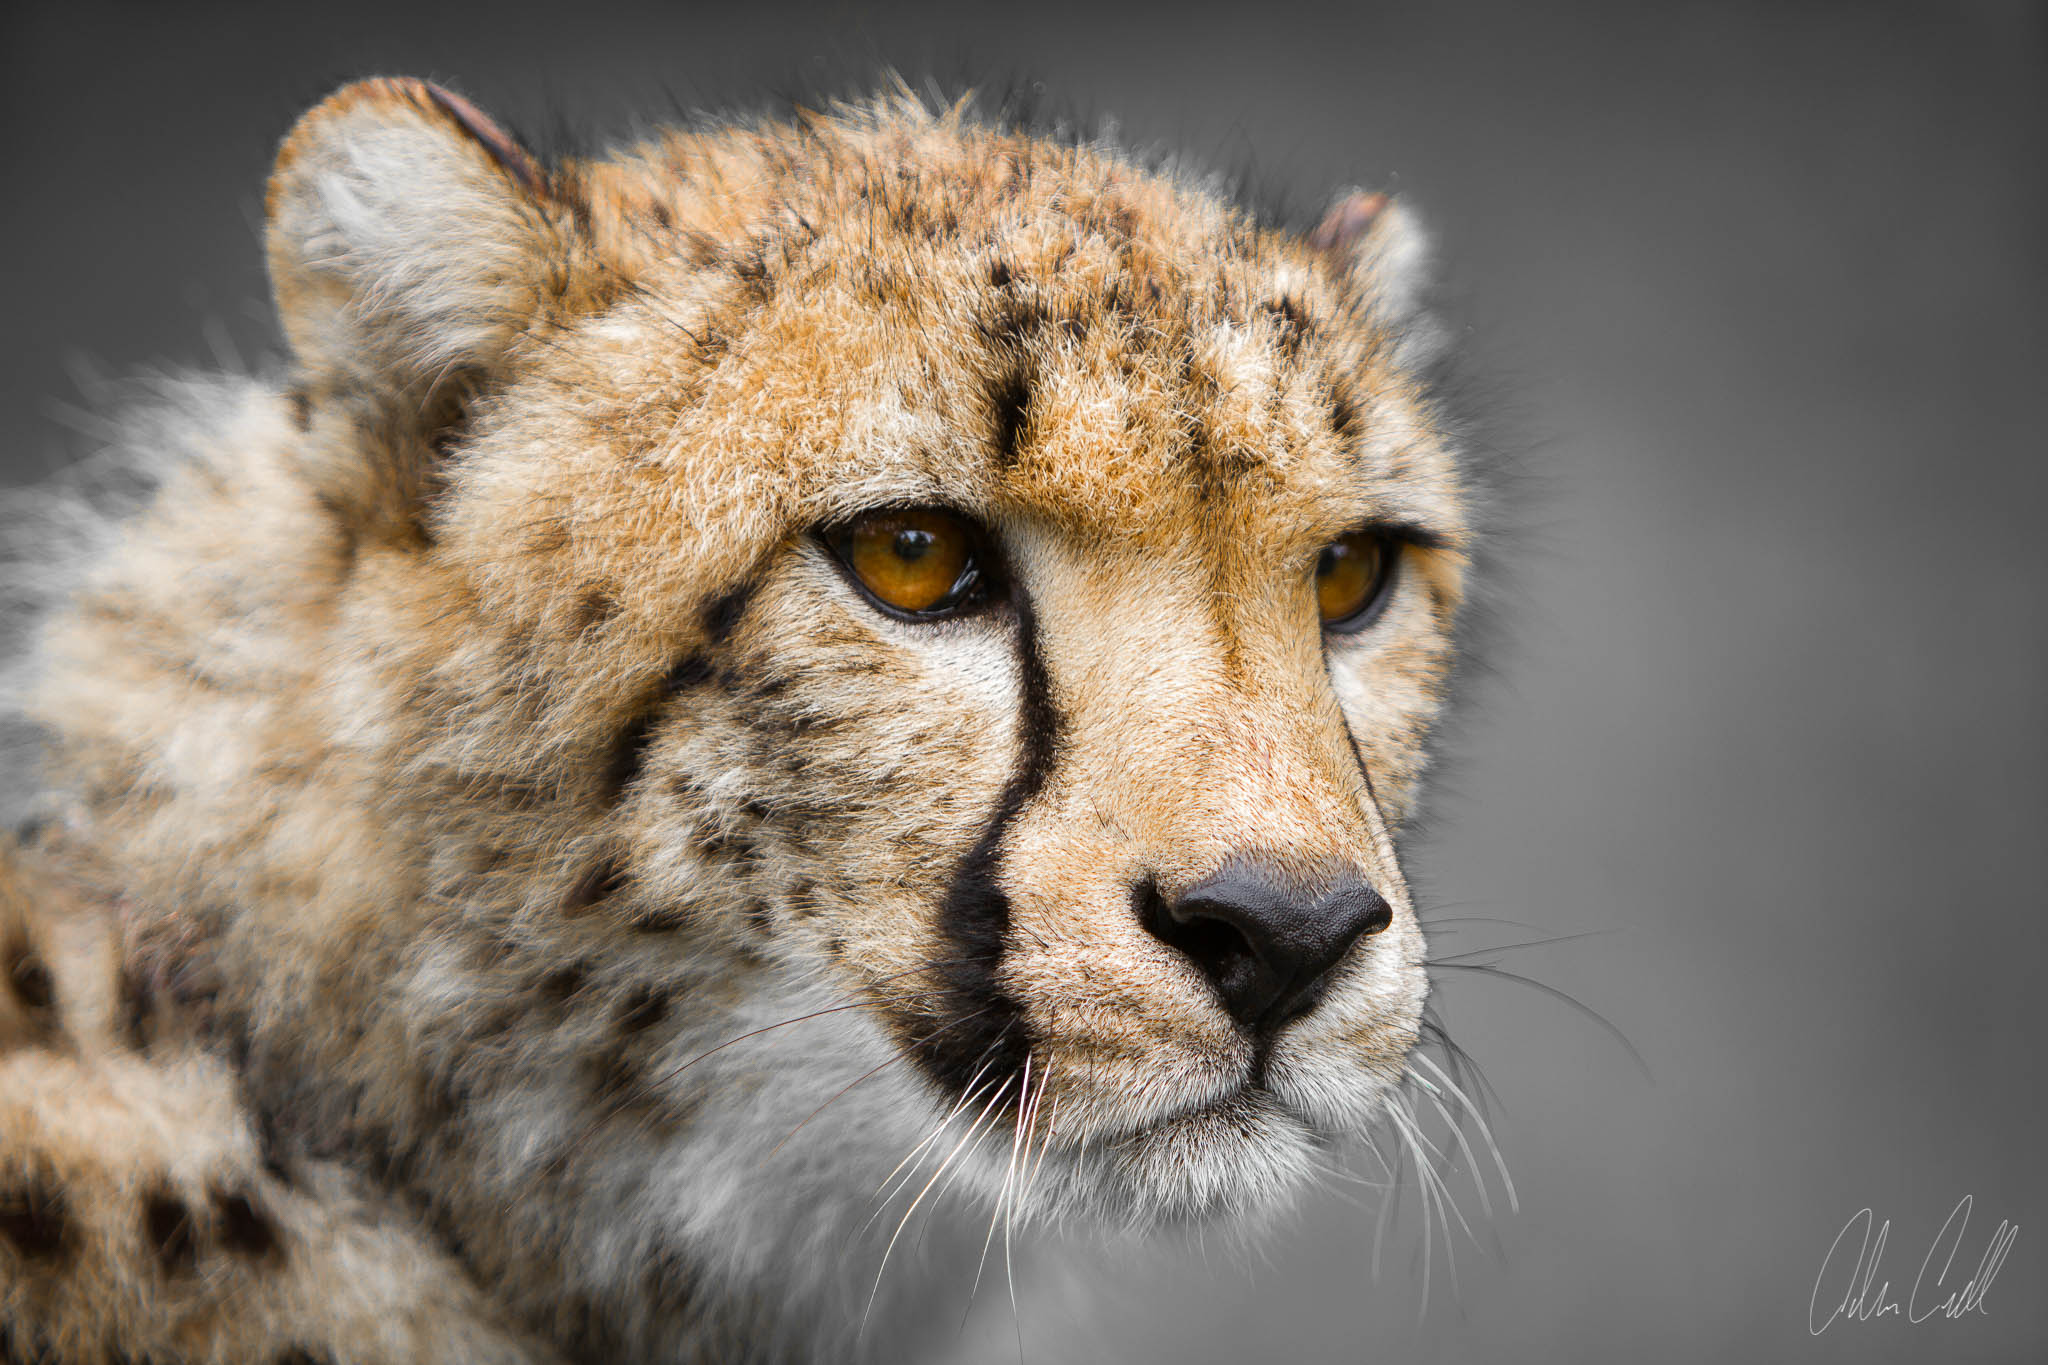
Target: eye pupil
pixel 913 544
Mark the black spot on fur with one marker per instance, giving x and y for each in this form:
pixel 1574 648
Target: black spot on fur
pixel 724 612
pixel 1008 328
pixel 578 206
pixel 301 408
pixel 751 270
pixel 1293 324
pixel 659 212
pixel 245 1227
pixel 35 1219
pixel 665 921
pixel 691 671
pixel 629 755
pixel 725 847
pixel 595 607
pixel 563 982
pixel 629 750
pixel 386 1158
pixel 642 1010
pixel 137 1007
pixel 1343 414
pixel 1009 403
pixel 985 1025
pixel 29 978
pixel 600 881
pixel 168 1229
pixel 769 686
pixel 999 274
pixel 270 1146
pixel 300 1355
pixel 670 1282
pixel 443 1099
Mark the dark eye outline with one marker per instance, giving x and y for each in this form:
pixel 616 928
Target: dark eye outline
pixel 974 589
pixel 1391 541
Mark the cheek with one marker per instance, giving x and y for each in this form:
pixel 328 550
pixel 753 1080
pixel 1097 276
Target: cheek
pixel 873 764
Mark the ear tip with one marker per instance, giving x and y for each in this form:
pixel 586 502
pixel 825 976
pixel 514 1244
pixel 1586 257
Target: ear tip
pixel 384 96
pixel 311 130
pixel 512 158
pixel 1349 220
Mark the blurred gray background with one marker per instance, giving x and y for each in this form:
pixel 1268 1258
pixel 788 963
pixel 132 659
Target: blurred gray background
pixel 1763 290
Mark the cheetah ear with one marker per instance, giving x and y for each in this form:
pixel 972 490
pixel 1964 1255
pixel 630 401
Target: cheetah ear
pixel 1379 242
pixel 408 239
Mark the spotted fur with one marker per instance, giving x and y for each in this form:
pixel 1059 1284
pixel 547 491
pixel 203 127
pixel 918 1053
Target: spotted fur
pixel 574 900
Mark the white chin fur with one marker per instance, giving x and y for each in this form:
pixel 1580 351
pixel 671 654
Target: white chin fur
pixel 1239 1162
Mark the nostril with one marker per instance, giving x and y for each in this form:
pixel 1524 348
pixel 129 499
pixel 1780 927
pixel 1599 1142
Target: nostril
pixel 1207 940
pixel 1374 914
pixel 1266 949
pixel 1212 942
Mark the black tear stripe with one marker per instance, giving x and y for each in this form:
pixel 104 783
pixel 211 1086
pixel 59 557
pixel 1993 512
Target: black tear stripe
pixel 982 1035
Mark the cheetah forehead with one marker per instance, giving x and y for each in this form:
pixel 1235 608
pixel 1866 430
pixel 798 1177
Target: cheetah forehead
pixel 888 306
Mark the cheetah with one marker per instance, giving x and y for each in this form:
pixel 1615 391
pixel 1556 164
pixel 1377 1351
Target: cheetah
pixel 793 674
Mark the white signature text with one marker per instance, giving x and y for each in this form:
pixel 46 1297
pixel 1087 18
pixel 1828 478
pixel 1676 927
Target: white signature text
pixel 1848 1289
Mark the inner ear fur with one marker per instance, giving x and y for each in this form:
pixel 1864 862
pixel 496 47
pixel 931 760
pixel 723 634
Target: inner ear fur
pixel 408 241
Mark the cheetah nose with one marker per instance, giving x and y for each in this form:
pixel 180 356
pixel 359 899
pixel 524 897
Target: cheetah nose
pixel 1267 950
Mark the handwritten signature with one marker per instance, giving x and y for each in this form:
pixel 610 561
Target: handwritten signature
pixel 1860 1302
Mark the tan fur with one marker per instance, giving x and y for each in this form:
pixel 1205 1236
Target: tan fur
pixel 143 1219
pixel 473 740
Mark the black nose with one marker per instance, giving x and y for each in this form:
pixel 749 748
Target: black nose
pixel 1267 949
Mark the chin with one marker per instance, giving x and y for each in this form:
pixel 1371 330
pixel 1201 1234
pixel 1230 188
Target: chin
pixel 1237 1163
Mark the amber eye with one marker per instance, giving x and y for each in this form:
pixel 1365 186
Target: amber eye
pixel 1351 578
pixel 920 561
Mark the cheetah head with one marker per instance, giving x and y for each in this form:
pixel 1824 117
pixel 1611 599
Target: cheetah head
pixel 970 595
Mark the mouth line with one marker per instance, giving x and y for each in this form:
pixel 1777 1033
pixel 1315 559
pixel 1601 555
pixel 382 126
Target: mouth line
pixel 1250 1092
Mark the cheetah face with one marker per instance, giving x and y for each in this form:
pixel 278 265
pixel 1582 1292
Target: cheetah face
pixel 919 567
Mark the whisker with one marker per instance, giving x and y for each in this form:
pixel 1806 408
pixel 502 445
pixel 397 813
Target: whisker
pixel 1581 1006
pixel 1379 1230
pixel 1485 1129
pixel 1009 1174
pixel 967 1098
pixel 1457 1132
pixel 1512 947
pixel 1010 1216
pixel 1403 1125
pixel 905 1220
